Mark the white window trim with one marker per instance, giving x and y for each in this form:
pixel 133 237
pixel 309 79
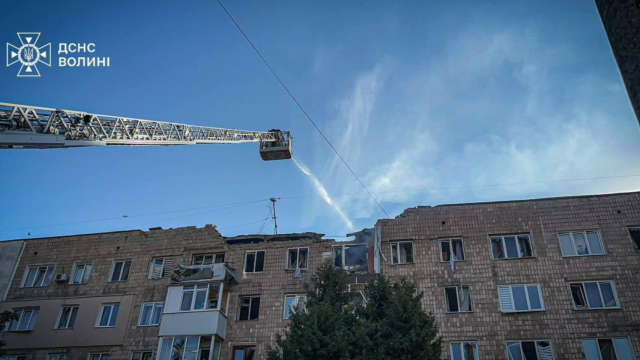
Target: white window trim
pixel 75 268
pixel 586 298
pixel 297 299
pixel 26 274
pixel 250 306
pixel 91 354
pixel 113 268
pixel 30 327
pixel 195 290
pixel 152 265
pixel 573 243
pixel 214 254
pixel 153 309
pixel 297 257
pixel 206 304
pixel 449 240
pixel 102 306
pixel 144 351
pixel 446 305
pixel 553 350
pixel 49 355
pixel 244 264
pixel 633 354
pixel 526 290
pixel 60 315
pixel 413 252
pixel 462 342
pixel 504 246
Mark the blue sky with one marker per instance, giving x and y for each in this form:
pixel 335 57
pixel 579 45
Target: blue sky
pixel 429 102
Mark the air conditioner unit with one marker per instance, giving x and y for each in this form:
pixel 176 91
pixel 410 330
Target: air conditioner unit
pixel 62 278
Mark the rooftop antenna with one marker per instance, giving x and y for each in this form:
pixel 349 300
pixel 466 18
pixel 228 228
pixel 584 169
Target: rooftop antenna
pixel 274 217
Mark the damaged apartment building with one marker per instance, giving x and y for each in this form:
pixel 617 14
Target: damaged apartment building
pixel 540 279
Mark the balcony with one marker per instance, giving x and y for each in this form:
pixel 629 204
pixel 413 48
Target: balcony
pixel 207 322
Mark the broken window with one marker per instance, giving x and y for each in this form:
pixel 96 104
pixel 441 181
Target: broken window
pixel 120 270
pixel 465 350
pixel 40 275
pixel 594 295
pixel 337 256
pixel 254 261
pixel 290 303
pixel 297 258
pixel 141 355
pixel 249 308
pixel 160 268
pixel 350 257
pixel 581 243
pixel 607 349
pixel 635 237
pixel 530 350
pixel 458 299
pixel 244 352
pixel 207 259
pixel 451 248
pixel 402 252
pixel 511 247
pixel 516 298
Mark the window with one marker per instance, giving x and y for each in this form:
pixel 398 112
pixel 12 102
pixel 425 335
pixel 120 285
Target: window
pixel 458 299
pixel 67 317
pixel 254 261
pixel 244 352
pixel 581 243
pixel 13 357
pixel 207 259
pixel 249 308
pixel 530 350
pixel 402 252
pixel 351 257
pixel 607 349
pixel 120 270
pixel 160 268
pixel 150 314
pixel 451 249
pixel 511 247
pixel 38 275
pixel 187 348
pixel 26 319
pixel 57 357
pixel 142 355
pixel 108 315
pixel 515 298
pixel 635 237
pixel 297 259
pixel 194 297
pixel 99 356
pixel 464 350
pixel 594 295
pixel 81 272
pixel 290 303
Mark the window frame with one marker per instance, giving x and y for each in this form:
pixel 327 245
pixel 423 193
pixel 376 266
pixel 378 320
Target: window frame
pixel 16 356
pixel 197 288
pixel 154 305
pixel 101 313
pixel 249 345
pixel 142 352
pixel 397 244
pixel 163 269
pixel 535 341
pixel 250 307
pixel 573 243
pixel 462 342
pixel 504 246
pixel 32 322
pixel 113 269
pixel 101 354
pixel 244 264
pixel 59 317
pixel 297 258
pixel 450 240
pixel 74 269
pixel 458 289
pixel 57 356
pixel 204 255
pixel 635 247
pixel 297 298
pixel 23 283
pixel 612 338
pixel 541 297
pixel 586 297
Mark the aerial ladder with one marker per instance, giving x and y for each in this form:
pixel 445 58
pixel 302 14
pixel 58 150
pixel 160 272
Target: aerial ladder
pixel 35 127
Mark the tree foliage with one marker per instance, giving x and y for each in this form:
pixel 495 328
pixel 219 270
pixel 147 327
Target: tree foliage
pixel 392 324
pixel 5 318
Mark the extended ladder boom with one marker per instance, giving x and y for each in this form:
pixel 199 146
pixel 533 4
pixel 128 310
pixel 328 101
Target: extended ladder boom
pixel 23 126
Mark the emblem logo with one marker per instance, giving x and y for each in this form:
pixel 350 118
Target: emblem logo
pixel 28 54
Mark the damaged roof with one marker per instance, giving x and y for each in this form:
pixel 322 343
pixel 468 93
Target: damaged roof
pixel 252 239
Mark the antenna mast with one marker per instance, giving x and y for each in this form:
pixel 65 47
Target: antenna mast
pixel 275 218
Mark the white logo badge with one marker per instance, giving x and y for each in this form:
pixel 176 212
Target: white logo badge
pixel 28 54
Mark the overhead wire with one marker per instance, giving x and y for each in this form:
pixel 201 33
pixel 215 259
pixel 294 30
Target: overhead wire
pixel 301 108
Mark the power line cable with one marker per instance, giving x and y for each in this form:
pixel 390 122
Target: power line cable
pixel 301 108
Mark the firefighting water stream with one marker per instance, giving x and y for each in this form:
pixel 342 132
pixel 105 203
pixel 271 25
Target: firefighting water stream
pixel 324 194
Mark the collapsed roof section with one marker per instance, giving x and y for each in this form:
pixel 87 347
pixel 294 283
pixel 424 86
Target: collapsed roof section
pixel 253 239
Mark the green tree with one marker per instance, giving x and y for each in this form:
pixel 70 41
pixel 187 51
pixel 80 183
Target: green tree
pixel 5 318
pixel 392 324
